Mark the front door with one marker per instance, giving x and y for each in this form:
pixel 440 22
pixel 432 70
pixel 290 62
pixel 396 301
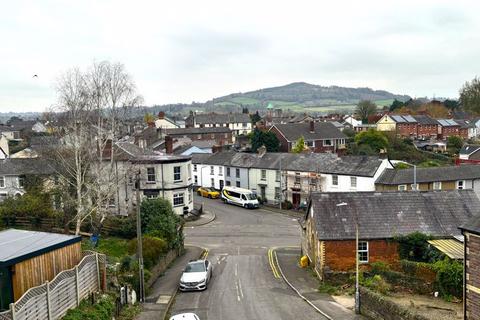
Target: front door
pixel 221 184
pixel 296 200
pixel 262 192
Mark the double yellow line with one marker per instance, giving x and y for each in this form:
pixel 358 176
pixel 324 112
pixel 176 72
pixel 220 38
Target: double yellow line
pixel 204 254
pixel 271 260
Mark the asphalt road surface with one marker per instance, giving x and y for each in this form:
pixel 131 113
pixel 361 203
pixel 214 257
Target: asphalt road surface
pixel 243 285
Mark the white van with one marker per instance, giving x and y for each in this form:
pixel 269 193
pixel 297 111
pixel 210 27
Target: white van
pixel 240 197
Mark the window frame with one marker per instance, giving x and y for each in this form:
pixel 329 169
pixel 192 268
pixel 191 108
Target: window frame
pixel 237 184
pixel 402 187
pixel 330 144
pixel 194 168
pixel 179 173
pixel 177 196
pixel 21 182
pixel 3 184
pixel 353 182
pixel 263 174
pixel 335 180
pixel 439 185
pixel 150 175
pixel 212 170
pixel 457 185
pixel 237 172
pixel 364 251
pixel 228 171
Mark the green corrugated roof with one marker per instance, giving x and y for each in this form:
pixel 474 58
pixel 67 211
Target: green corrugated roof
pixel 451 247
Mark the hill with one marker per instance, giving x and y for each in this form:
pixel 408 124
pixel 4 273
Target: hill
pixel 299 95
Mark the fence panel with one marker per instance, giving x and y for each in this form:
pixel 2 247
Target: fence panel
pixel 62 293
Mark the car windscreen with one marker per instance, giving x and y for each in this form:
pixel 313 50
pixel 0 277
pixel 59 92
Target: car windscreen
pixel 195 267
pixel 251 196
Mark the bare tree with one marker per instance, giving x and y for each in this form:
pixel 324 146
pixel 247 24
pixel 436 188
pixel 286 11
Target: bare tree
pixel 364 109
pixel 93 105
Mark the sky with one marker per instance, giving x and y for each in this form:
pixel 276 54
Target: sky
pixel 184 51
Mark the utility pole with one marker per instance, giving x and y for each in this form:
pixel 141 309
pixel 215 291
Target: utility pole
pixel 281 191
pixel 357 292
pixel 139 241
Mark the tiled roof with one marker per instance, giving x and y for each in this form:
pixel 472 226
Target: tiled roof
pixel 450 173
pixel 388 214
pixel 426 120
pixel 469 149
pixel 22 166
pixel 323 130
pixel 472 225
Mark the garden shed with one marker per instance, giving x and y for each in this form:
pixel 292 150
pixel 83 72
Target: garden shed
pixel 29 258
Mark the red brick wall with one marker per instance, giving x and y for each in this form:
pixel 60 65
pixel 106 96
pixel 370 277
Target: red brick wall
pixel 450 131
pixel 320 148
pixel 427 130
pixel 283 142
pixel 473 271
pixel 340 255
pixel 407 129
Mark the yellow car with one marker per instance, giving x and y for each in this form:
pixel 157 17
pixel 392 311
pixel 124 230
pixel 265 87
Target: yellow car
pixel 208 193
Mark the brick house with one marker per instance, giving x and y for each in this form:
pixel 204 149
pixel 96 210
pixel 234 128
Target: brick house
pixel 328 237
pixel 319 136
pixel 221 135
pixel 427 127
pixel 449 127
pixel 471 286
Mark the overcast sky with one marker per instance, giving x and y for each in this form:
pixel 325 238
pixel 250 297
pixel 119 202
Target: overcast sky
pixel 183 51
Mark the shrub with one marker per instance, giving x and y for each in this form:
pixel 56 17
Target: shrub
pixel 102 309
pixel 379 266
pixel 123 227
pixel 449 277
pixel 377 283
pixel 415 247
pixel 153 249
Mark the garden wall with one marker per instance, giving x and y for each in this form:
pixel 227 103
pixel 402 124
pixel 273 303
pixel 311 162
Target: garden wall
pixel 163 264
pixel 376 307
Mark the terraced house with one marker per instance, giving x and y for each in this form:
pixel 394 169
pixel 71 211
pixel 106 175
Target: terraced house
pixel 460 177
pixel 471 287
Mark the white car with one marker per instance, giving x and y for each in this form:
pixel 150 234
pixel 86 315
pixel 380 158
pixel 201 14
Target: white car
pixel 196 275
pixel 185 316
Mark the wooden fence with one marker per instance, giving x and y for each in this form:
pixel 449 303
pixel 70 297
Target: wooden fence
pixel 53 299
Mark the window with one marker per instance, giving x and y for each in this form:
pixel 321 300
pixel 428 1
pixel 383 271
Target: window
pixel 244 124
pixel 437 185
pixel 264 174
pixel 212 183
pixel 238 184
pixel 220 171
pixel 415 186
pixel 228 172
pixel 277 193
pixel 277 176
pixel 334 180
pixel 151 194
pixel 237 173
pixel 402 187
pixel 460 184
pixel 309 144
pixel 195 168
pixel 228 183
pixel 189 196
pixel 212 170
pixel 297 177
pixel 150 175
pixel 362 251
pixel 178 199
pixel 176 174
pixel 21 182
pixel 2 182
pixel 353 182
pixel 327 143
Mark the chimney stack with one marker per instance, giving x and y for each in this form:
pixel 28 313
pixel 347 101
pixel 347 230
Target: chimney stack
pixel 261 151
pixel 161 115
pixel 217 148
pixel 168 144
pixel 312 127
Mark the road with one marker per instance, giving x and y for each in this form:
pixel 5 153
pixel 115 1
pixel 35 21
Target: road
pixel 244 285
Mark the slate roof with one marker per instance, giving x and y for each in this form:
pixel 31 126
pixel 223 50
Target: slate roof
pixel 383 215
pixel 447 122
pixel 185 131
pixel 217 118
pixel 450 173
pixel 465 123
pixel 469 149
pixel 425 120
pixel 4 128
pixel 19 245
pixel 323 130
pixel 403 118
pixel 22 166
pixel 472 225
pixel 327 163
pixel 127 151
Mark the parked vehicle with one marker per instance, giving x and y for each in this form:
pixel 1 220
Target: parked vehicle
pixel 185 316
pixel 196 275
pixel 208 193
pixel 240 197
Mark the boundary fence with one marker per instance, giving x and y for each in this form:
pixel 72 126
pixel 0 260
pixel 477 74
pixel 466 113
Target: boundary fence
pixel 52 300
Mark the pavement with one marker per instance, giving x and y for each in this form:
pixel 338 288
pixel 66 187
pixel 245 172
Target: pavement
pixel 205 218
pixel 163 291
pixel 306 286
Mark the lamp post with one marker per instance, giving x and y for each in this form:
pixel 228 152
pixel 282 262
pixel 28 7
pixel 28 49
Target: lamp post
pixel 139 240
pixel 357 291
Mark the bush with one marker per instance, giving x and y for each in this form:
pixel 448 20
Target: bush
pixel 159 220
pixel 123 227
pixel 153 249
pixel 101 310
pixel 377 283
pixel 287 205
pixel 379 266
pixel 415 247
pixel 449 277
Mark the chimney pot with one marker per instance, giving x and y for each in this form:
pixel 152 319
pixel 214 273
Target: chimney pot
pixel 161 115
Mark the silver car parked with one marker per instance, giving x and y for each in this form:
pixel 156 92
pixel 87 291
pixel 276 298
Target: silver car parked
pixel 196 275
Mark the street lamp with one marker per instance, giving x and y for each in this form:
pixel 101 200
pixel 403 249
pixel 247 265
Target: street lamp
pixel 357 292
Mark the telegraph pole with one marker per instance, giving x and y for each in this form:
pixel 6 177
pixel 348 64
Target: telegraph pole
pixel 281 191
pixel 139 241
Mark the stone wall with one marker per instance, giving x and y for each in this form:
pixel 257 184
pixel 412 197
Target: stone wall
pixel 163 264
pixel 376 307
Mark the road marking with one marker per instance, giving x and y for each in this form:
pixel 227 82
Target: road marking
pixel 240 286
pixel 236 269
pixel 272 264
pixel 238 292
pixel 205 254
